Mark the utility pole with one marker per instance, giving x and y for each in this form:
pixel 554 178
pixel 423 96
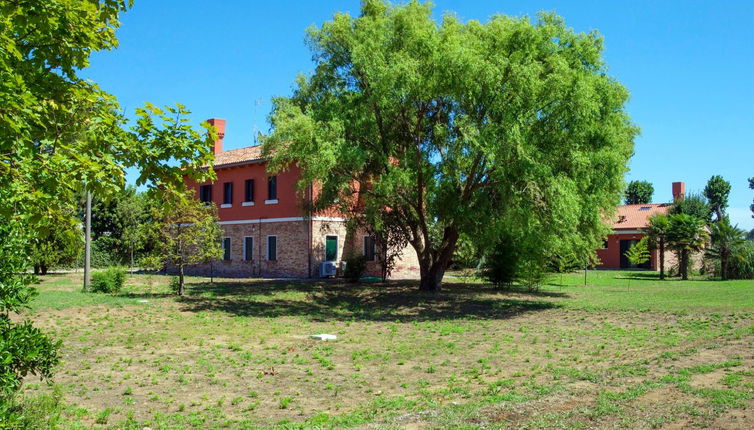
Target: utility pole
pixel 88 242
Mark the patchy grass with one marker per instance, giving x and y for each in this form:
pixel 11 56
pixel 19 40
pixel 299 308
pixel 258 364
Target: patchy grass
pixel 236 353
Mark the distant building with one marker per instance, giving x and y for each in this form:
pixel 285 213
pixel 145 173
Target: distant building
pixel 266 232
pixel 628 228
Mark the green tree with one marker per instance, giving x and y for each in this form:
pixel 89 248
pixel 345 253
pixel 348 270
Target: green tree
pixel 639 192
pixel 717 192
pixel 24 349
pixel 657 231
pixel 133 218
pixel 188 233
pixel 59 135
pixel 686 234
pixel 693 204
pixel 725 240
pixel 456 127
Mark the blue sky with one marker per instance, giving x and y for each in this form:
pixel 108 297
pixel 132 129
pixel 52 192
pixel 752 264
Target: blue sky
pixel 688 64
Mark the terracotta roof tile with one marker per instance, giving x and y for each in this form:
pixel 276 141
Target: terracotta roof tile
pixel 236 156
pixel 633 217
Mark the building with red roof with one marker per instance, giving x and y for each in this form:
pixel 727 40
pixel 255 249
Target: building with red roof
pixel 629 225
pixel 266 230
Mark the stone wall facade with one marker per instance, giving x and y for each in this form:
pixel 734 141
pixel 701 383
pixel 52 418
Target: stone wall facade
pixel 300 250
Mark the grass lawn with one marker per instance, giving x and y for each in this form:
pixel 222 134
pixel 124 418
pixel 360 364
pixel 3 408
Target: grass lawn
pixel 626 351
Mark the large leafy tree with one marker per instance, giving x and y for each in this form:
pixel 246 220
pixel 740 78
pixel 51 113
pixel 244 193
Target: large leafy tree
pixel 59 135
pixel 717 192
pixel 657 232
pixel 458 128
pixel 639 192
pixel 726 238
pixel 686 234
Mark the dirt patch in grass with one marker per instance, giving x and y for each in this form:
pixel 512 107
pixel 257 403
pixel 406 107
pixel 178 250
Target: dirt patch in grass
pixel 237 353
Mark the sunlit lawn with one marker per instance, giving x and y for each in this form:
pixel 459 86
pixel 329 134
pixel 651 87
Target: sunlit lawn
pixel 624 350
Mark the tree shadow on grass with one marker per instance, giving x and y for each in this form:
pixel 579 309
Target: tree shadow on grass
pixel 392 301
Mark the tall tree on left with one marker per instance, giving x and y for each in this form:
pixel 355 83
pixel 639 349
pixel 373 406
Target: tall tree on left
pixel 60 134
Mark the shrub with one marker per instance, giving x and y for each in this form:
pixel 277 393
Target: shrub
pixel 109 280
pixel 742 261
pixel 355 267
pixel 175 284
pixel 499 263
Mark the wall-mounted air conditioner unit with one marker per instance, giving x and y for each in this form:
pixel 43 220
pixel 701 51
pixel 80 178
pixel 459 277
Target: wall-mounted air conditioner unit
pixel 327 268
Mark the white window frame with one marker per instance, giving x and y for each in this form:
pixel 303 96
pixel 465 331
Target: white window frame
pixel 267 248
pixel 252 248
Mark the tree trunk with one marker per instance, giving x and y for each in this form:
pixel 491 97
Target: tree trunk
pixel 180 280
pixel 44 268
pixel 132 259
pixel 724 268
pixel 36 269
pixel 685 265
pixel 662 259
pixel 431 280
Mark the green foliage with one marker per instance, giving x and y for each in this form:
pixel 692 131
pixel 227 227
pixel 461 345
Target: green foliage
pixel 175 284
pixel 693 204
pixel 24 349
pixel 356 264
pixel 686 234
pixel 639 192
pixel 741 264
pixel 458 127
pixel 500 262
pixel 726 239
pixel 466 254
pixel 58 242
pixel 186 232
pixel 109 281
pixel 717 192
pixel 638 254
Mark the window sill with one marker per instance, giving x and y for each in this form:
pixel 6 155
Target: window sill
pixel 226 206
pixel 271 202
pixel 247 204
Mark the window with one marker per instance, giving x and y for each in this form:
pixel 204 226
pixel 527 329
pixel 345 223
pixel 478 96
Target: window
pixel 248 248
pixel 226 249
pixel 331 248
pixel 228 193
pixel 248 195
pixel 272 248
pixel 205 193
pixel 272 188
pixel 369 248
pixel 604 244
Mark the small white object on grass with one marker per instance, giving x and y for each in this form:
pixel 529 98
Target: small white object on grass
pixel 143 301
pixel 323 336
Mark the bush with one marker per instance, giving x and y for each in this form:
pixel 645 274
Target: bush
pixel 499 264
pixel 109 280
pixel 175 284
pixel 741 265
pixel 355 267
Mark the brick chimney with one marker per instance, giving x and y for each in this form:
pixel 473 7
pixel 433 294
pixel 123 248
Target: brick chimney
pixel 679 190
pixel 219 125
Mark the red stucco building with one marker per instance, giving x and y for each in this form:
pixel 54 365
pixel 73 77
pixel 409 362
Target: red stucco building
pixel 266 230
pixel 628 228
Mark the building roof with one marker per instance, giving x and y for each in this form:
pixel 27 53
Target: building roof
pixel 238 156
pixel 632 217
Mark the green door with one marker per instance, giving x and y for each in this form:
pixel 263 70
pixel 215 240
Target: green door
pixel 331 248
